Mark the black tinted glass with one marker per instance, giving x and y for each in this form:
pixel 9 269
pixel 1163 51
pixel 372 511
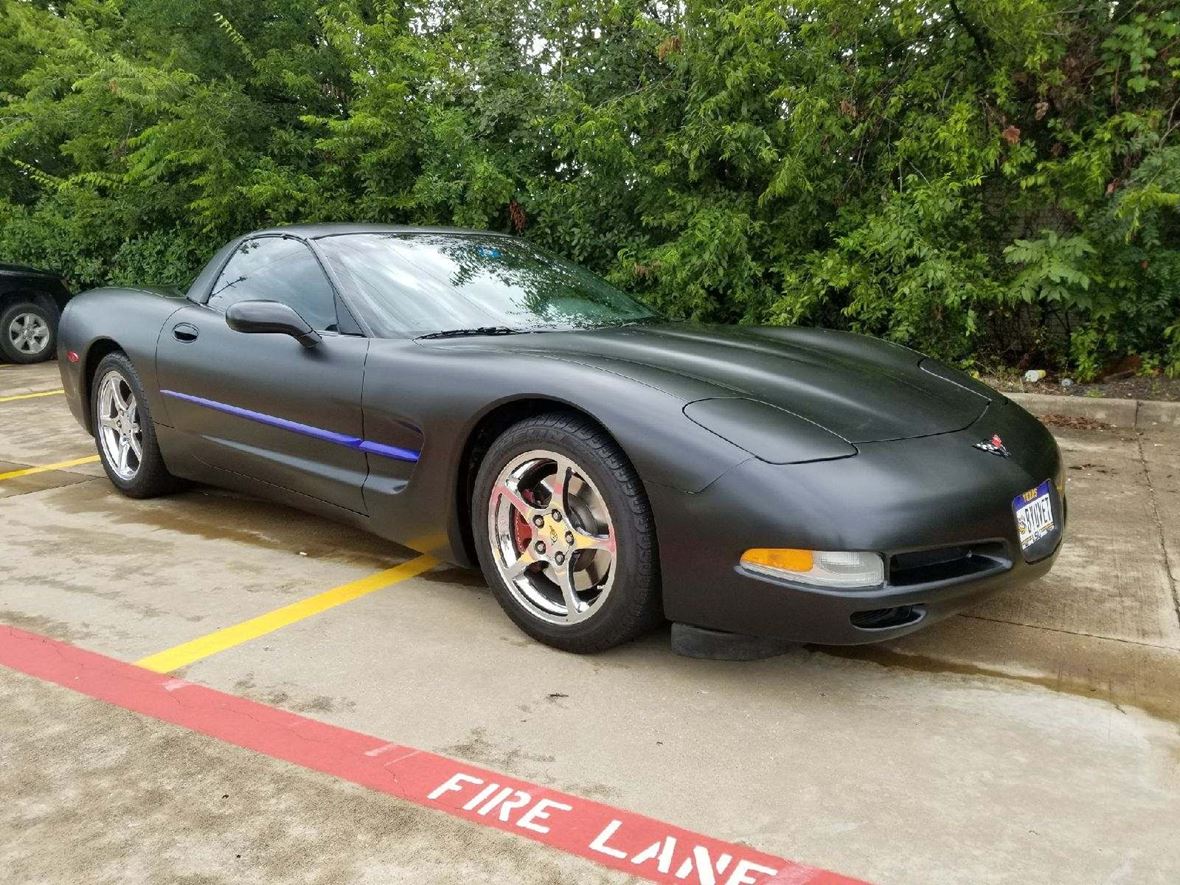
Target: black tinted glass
pixel 277 269
pixel 411 284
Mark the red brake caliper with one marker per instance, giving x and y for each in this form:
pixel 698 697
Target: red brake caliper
pixel 521 530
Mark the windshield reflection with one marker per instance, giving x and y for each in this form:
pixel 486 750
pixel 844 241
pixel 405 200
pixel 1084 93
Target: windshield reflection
pixel 419 283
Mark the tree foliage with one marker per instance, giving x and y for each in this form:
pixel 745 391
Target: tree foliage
pixel 986 180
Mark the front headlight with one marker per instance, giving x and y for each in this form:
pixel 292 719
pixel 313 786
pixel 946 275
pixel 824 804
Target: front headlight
pixel 844 570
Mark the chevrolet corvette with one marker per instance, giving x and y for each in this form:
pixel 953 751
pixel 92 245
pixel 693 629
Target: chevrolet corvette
pixel 468 395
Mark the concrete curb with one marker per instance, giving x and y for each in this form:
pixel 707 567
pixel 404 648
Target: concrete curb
pixel 1139 414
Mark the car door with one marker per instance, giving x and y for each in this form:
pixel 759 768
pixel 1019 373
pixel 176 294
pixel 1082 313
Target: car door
pixel 264 405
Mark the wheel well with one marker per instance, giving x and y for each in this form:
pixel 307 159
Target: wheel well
pixel 15 296
pixel 489 428
pixel 94 356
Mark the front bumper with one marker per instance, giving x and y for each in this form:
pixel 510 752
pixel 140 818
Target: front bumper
pixel 902 499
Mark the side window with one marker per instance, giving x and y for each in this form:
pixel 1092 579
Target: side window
pixel 277 269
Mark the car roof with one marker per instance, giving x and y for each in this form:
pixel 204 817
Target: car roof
pixel 24 269
pixel 334 229
pixel 199 289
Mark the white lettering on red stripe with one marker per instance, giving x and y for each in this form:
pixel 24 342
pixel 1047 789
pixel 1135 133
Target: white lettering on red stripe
pixel 540 811
pixel 664 855
pixel 581 827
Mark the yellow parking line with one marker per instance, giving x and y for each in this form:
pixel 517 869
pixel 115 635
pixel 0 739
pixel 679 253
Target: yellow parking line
pixel 8 399
pixel 45 468
pixel 228 637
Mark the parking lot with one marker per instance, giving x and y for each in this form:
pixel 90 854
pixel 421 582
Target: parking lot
pixel 1032 738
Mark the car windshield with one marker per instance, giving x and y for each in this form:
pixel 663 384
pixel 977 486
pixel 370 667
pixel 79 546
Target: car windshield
pixel 412 284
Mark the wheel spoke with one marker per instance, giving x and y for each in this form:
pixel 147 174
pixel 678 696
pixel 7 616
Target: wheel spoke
pixel 516 569
pixel 124 449
pixel 117 397
pixel 584 541
pixel 558 483
pixel 136 448
pixel 565 580
pixel 506 492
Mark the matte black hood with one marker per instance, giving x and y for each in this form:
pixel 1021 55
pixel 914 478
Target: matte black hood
pixel 860 388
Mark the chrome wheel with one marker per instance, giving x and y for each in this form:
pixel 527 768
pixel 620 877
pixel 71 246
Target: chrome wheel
pixel 119 430
pixel 29 333
pixel 552 537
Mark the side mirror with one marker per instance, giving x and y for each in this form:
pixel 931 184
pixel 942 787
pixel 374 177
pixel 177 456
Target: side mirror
pixel 270 316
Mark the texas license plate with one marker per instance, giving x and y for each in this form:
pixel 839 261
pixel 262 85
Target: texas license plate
pixel 1034 514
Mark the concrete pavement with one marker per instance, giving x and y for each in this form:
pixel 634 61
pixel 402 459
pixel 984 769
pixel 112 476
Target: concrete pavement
pixel 128 799
pixel 1032 737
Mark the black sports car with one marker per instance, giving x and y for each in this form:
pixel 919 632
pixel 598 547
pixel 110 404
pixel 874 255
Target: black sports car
pixel 31 301
pixel 468 395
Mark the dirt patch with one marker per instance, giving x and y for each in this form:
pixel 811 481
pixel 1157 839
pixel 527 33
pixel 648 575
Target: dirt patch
pixel 1091 468
pixel 1151 387
pixel 1074 422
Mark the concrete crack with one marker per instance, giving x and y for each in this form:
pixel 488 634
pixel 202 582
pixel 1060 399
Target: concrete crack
pixel 1159 527
pixel 83 479
pixel 1070 632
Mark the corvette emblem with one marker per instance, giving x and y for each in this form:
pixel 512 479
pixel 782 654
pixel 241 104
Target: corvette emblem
pixel 994 446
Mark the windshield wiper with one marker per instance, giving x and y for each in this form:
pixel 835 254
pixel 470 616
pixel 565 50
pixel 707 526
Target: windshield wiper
pixel 479 330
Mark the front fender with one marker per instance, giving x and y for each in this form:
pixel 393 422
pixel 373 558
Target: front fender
pixel 101 320
pixel 440 394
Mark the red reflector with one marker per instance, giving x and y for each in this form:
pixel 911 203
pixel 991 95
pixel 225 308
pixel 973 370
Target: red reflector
pixel 72 356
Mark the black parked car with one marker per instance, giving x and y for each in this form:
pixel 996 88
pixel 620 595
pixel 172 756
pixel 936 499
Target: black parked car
pixel 473 397
pixel 31 301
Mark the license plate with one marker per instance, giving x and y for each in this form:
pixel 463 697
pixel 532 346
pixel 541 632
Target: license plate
pixel 1034 514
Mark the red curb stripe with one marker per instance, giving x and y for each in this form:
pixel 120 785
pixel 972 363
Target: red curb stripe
pixel 608 836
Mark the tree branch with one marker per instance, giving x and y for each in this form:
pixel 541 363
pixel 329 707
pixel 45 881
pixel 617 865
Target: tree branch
pixel 981 41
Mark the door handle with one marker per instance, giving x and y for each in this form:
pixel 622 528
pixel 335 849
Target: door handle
pixel 185 332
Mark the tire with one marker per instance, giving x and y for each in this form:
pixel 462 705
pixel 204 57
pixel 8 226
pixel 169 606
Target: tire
pixel 28 332
pixel 143 475
pixel 602 534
